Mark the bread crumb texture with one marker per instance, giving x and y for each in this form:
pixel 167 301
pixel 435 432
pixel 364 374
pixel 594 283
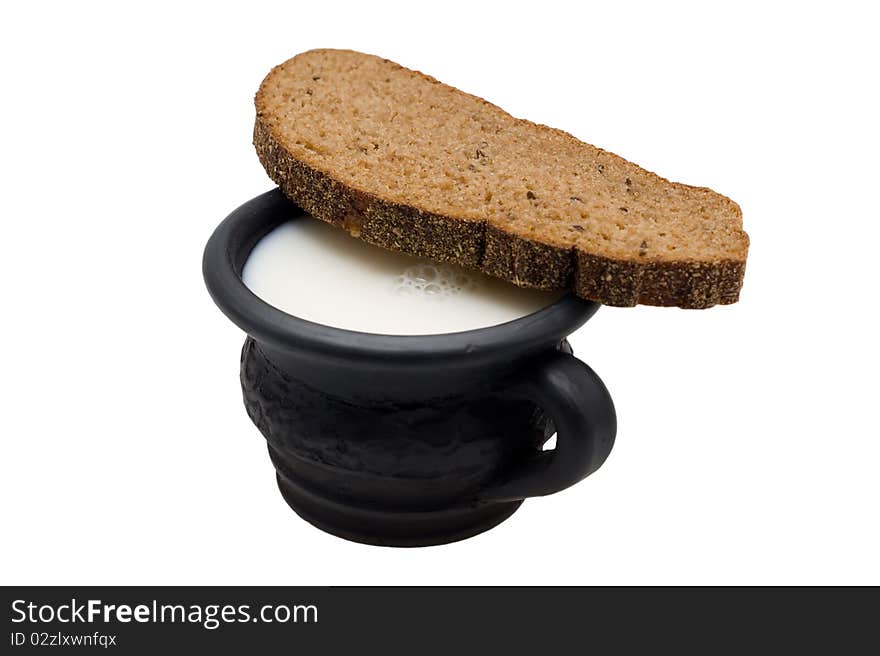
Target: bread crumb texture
pixel 405 162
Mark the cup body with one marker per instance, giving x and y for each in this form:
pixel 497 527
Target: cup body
pixel 386 439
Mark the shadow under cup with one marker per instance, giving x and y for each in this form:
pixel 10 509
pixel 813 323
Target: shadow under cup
pixel 409 440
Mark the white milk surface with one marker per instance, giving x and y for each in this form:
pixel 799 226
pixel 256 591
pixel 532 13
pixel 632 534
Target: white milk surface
pixel 318 272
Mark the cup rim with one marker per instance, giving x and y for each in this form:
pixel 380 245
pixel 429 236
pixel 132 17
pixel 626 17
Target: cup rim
pixel 231 243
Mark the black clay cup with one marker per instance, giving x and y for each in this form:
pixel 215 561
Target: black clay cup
pixel 409 440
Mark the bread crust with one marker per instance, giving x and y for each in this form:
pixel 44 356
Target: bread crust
pixel 486 247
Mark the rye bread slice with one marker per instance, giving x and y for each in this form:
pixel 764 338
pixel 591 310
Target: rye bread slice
pixel 405 162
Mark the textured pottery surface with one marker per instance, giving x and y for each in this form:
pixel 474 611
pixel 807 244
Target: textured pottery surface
pixel 459 443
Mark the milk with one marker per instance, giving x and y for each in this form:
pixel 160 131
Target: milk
pixel 317 272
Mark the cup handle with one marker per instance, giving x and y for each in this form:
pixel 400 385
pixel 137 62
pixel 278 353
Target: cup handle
pixel 582 410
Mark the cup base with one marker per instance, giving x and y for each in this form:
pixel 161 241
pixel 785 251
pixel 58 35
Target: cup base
pixel 392 528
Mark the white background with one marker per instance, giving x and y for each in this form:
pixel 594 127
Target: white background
pixel 748 449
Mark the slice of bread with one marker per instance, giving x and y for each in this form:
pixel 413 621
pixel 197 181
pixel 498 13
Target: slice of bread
pixel 407 163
